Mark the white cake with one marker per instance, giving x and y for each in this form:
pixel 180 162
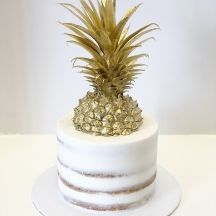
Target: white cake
pixel 107 173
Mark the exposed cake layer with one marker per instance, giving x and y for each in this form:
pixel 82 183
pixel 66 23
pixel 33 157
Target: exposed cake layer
pixel 102 199
pixel 116 207
pixel 102 182
pixel 106 173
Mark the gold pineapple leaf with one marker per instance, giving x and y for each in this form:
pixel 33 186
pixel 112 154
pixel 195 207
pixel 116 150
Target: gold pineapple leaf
pixel 112 68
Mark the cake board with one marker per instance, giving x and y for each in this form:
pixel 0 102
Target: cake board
pixel 47 199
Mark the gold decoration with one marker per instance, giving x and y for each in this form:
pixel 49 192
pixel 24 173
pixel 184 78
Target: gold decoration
pixel 111 68
pixel 120 119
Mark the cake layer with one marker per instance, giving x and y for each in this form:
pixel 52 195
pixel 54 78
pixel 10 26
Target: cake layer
pixel 120 190
pixel 115 155
pixel 113 161
pixel 107 199
pixel 106 172
pixel 104 182
pixel 116 207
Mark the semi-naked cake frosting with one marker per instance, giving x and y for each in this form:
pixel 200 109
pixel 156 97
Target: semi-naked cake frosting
pixel 107 173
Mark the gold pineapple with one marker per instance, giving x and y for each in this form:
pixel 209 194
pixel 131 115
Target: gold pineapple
pixel 111 68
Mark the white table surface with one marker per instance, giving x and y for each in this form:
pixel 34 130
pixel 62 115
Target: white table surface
pixel 191 159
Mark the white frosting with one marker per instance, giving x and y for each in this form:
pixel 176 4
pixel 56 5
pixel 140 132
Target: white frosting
pixel 105 184
pixel 123 162
pixel 65 129
pixel 108 199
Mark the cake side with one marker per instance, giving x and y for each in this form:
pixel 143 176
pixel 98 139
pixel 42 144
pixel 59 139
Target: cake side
pixel 106 173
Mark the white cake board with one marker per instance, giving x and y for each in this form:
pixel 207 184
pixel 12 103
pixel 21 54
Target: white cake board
pixel 48 201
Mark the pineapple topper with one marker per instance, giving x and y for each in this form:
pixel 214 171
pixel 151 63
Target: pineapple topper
pixel 111 69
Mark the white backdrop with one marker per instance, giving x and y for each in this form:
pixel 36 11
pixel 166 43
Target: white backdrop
pixel 38 84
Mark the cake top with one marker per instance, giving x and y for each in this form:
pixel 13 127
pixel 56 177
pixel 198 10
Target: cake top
pixel 67 134
pixel 111 68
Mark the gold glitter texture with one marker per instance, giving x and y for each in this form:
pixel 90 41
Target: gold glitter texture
pixel 107 116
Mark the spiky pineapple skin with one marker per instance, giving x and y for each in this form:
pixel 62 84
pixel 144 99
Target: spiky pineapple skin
pixel 107 116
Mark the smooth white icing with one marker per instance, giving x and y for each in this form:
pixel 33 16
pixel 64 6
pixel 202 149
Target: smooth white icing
pixel 132 157
pixel 65 130
pixel 126 159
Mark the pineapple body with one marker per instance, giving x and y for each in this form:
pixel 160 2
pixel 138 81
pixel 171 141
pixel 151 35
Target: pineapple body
pixel 101 115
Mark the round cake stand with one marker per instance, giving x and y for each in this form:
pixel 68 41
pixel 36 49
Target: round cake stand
pixel 48 201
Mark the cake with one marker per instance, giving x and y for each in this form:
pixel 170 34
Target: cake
pixel 107 173
pixel 107 147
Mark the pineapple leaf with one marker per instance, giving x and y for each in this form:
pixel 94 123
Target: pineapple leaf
pixel 121 25
pixel 133 59
pixel 79 14
pixel 137 34
pixel 112 67
pixel 86 41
